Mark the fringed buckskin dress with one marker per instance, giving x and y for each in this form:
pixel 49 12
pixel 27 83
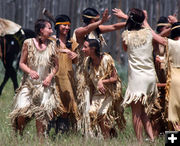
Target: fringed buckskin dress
pixel 141 72
pixel 173 82
pixel 32 98
pixel 108 104
pixel 83 98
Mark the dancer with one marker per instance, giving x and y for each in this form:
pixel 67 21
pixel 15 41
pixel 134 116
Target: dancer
pixel 142 89
pixel 64 78
pixel 157 117
pixel 93 28
pixel 37 95
pixel 104 86
pixel 172 55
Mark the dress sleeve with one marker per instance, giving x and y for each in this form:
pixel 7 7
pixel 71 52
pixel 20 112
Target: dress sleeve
pixel 125 36
pixel 74 45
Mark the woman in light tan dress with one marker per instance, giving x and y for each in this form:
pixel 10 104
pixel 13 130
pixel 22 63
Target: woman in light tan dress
pixel 64 78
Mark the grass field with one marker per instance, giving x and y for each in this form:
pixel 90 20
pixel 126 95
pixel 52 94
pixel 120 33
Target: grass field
pixel 7 138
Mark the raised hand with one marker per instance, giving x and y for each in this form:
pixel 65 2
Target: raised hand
pixel 172 19
pixel 119 13
pixel 145 14
pixel 105 16
pixel 145 23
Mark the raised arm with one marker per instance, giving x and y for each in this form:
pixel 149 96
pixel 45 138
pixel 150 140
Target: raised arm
pixel 157 38
pixel 172 19
pixel 108 28
pixel 113 27
pixel 81 32
pixel 119 13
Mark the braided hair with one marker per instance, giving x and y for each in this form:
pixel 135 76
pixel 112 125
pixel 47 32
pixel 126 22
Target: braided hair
pixel 94 43
pixel 59 19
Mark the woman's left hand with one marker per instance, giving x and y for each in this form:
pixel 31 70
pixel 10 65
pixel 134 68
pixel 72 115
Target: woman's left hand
pixel 172 19
pixel 119 13
pixel 100 87
pixel 47 81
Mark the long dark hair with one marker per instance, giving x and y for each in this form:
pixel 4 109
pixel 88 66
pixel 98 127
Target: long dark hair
pixel 91 12
pixel 96 44
pixel 175 30
pixel 62 18
pixel 40 24
pixel 135 19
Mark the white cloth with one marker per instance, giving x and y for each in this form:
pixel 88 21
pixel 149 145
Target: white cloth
pixel 141 71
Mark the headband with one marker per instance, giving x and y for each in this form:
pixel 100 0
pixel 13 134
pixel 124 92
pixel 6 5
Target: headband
pixel 67 22
pixel 87 16
pixel 178 26
pixel 163 24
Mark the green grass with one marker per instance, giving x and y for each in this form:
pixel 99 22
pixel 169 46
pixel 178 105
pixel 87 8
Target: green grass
pixel 7 137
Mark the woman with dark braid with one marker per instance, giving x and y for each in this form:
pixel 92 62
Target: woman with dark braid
pixel 104 85
pixel 92 29
pixel 64 78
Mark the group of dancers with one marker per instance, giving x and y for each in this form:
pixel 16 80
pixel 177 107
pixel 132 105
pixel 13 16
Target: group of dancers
pixel 89 98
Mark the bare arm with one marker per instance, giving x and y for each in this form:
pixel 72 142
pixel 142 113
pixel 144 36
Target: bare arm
pixel 116 26
pixel 172 19
pixel 166 32
pixel 159 39
pixel 119 13
pixel 23 59
pixel 23 62
pixel 83 31
pixel 113 27
pixel 112 79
